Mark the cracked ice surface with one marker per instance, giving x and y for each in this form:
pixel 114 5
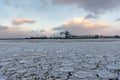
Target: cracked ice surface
pixel 56 60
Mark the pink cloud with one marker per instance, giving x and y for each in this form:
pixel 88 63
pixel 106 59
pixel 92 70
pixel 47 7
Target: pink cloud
pixel 19 21
pixel 2 27
pixel 15 32
pixel 82 26
pixel 9 31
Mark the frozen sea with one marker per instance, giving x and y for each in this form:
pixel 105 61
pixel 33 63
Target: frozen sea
pixel 60 59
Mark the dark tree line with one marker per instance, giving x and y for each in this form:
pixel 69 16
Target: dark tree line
pixel 67 35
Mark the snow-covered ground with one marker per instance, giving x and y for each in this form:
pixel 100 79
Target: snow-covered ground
pixel 59 60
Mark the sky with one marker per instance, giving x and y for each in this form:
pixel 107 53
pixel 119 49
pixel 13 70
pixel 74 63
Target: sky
pixel 26 18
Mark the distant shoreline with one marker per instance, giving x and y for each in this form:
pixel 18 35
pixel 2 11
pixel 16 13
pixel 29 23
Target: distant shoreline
pixel 95 37
pixel 12 38
pixel 58 40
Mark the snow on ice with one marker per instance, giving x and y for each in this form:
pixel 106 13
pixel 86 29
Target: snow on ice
pixel 67 60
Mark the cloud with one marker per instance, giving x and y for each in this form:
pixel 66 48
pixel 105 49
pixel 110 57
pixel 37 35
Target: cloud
pixel 90 16
pixel 19 32
pixel 19 21
pixel 3 27
pixel 15 32
pixel 95 6
pixel 7 2
pixel 83 27
pixel 42 30
pixel 118 19
pixel 115 32
pixel 58 28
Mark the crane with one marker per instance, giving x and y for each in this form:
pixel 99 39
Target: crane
pixel 67 34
